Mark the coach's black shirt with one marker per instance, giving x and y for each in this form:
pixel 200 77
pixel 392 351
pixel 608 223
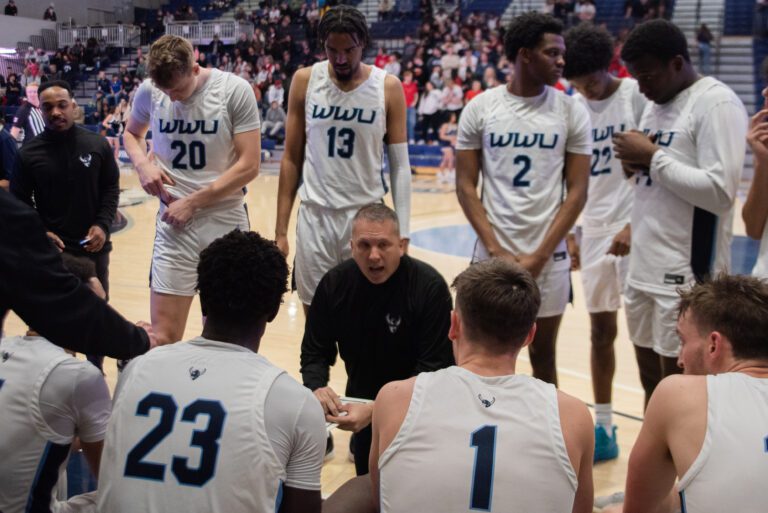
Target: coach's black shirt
pixel 74 180
pixel 383 333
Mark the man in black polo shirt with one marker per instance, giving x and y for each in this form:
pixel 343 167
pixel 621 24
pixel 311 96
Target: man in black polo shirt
pixel 385 313
pixel 74 178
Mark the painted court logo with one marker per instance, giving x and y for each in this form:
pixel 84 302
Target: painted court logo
pixel 86 159
pixel 195 373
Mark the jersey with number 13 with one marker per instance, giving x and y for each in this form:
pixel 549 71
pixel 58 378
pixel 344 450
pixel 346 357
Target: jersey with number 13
pixel 344 141
pixel 524 142
pixel 193 139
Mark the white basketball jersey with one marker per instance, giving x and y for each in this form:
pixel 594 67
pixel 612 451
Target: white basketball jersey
pixel 193 140
pixel 475 443
pixel 343 156
pixel 673 241
pixel 609 202
pixel 188 433
pixel 32 453
pixel 524 142
pixel 729 472
pixel 761 266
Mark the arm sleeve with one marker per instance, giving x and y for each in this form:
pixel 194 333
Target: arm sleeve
pixel 109 187
pixel 242 106
pixel 318 348
pixel 434 348
pixel 579 130
pixel 142 102
pixel 400 176
pixel 720 155
pixel 74 401
pixel 296 428
pixel 470 136
pixel 34 284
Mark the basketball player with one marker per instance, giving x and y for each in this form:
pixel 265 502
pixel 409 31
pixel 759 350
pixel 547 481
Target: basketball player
pixel 707 428
pixel 205 128
pixel 48 398
pixel 755 210
pixel 529 140
pixel 614 105
pixel 340 114
pixel 235 433
pixel 687 165
pixel 476 435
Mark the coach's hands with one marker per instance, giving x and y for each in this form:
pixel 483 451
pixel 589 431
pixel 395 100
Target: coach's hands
pixel 96 239
pixel 329 400
pixel 56 241
pixel 153 180
pixel 358 416
pixel 151 334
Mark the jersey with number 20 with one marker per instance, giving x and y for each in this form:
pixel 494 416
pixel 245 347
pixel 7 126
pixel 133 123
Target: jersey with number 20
pixel 193 139
pixel 524 142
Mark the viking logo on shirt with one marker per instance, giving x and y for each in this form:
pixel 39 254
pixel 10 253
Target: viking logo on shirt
pixel 196 373
pixel 518 140
pixel 178 126
pixel 486 402
pixel 393 323
pixel 365 116
pixel 86 159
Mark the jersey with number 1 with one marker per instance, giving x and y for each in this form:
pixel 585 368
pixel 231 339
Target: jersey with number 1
pixel 193 139
pixel 188 433
pixel 609 199
pixel 343 156
pixel 470 442
pixel 524 142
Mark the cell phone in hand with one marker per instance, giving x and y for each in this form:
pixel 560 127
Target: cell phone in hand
pixel 85 241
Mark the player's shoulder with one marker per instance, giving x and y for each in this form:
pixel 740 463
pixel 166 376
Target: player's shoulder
pixel 396 391
pixel 574 416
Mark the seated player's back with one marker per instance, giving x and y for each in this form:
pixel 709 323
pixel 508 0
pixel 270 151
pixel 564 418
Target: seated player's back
pixel 478 443
pixel 45 396
pixel 189 431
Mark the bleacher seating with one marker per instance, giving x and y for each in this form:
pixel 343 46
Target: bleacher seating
pixel 739 17
pixel 496 7
pixel 424 155
pixel 760 52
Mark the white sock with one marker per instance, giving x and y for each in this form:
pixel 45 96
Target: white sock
pixel 604 416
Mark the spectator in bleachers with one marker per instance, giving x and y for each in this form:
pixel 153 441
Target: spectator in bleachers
pixel 12 90
pixel 453 98
pixel 447 138
pixel 49 14
pixel 215 50
pixel 704 38
pixel 103 84
pixel 635 10
pixel 274 120
pixel 385 9
pixel 393 65
pixel 476 89
pixel 436 77
pixel 116 88
pixel 11 9
pixel 411 92
pixel 276 93
pixel 54 73
pixel 42 59
pixel 586 11
pixel 430 109
pixel 450 61
pixel 381 58
pixel 141 68
pixel 467 67
pixel 30 55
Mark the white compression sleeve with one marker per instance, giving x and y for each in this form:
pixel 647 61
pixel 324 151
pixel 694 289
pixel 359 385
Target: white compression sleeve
pixel 400 177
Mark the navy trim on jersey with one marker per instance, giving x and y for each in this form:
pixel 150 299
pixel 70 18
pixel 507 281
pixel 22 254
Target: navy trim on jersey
pixel 703 240
pixel 39 500
pixel 683 508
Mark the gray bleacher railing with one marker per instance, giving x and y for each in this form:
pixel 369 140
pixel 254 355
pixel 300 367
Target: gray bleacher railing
pixel 120 35
pixel 202 32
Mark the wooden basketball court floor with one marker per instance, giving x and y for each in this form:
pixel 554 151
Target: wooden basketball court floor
pixel 435 206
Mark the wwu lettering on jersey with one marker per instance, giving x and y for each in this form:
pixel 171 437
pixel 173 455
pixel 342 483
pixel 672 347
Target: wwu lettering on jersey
pixel 365 116
pixel 178 126
pixel 606 133
pixel 661 137
pixel 518 140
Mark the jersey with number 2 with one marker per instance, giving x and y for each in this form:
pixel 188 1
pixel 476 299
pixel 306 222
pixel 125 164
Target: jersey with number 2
pixel 524 142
